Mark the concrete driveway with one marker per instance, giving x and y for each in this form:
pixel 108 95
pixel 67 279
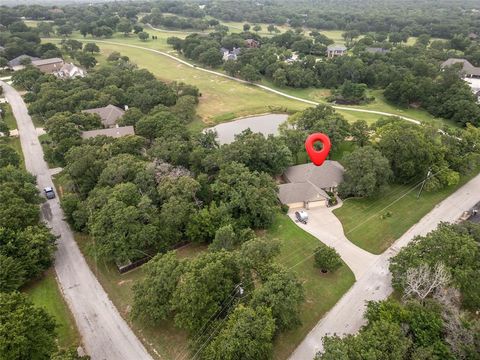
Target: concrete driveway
pixel 326 227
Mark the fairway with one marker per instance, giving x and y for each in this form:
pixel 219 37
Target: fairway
pixel 375 224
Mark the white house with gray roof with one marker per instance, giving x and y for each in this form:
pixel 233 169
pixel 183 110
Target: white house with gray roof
pixel 336 50
pixel 306 185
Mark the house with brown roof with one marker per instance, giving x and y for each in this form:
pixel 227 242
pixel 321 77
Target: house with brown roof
pixel 108 114
pixel 306 185
pixel 115 132
pixel 48 66
pixel 252 43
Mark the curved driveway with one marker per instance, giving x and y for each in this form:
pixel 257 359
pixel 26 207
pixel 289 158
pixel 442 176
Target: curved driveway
pixel 346 317
pixel 104 332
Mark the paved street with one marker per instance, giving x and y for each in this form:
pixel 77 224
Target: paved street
pixel 104 333
pixel 346 317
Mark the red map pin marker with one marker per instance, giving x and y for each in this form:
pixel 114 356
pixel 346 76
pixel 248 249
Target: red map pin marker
pixel 318 157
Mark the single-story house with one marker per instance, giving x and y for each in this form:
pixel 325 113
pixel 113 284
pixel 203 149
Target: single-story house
pixel 48 66
pixel 252 43
pixel 230 55
pixel 307 185
pixel 336 50
pixel 115 132
pixel 468 69
pixel 16 63
pixel 376 50
pixel 108 114
pixel 70 71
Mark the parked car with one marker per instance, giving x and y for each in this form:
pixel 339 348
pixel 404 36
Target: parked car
pixel 49 192
pixel 302 216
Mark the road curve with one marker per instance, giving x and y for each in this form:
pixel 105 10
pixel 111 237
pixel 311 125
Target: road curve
pixel 266 88
pixel 104 332
pixel 346 317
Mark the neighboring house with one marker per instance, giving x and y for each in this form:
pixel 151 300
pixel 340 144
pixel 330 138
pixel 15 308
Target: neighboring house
pixel 468 70
pixel 376 50
pixel 252 43
pixel 108 114
pixel 112 132
pixel 472 36
pixel 336 50
pixel 292 59
pixel 70 71
pixel 56 11
pixel 48 66
pixel 16 63
pixel 230 55
pixel 307 185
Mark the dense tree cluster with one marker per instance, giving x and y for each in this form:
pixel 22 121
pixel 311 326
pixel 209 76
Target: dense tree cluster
pixel 215 298
pixel 428 323
pixel 390 151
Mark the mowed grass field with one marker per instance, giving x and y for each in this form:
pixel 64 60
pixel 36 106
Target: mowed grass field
pixel 375 224
pixel 222 99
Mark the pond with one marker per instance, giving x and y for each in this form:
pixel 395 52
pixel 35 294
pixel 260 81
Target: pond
pixel 265 124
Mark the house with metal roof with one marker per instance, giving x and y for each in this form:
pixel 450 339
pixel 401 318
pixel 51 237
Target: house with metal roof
pixel 307 185
pixel 17 63
pixel 48 66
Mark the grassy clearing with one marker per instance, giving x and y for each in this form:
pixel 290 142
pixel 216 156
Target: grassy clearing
pixel 9 118
pixel 46 294
pixel 322 291
pixel 369 225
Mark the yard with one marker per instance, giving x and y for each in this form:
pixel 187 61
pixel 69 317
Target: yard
pixel 322 290
pixel 46 294
pixel 374 224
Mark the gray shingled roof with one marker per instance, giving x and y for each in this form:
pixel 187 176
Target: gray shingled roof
pixel 40 62
pixel 468 68
pixel 330 174
pixel 336 48
pixel 16 61
pixel 376 50
pixel 112 132
pixel 109 114
pixel 300 192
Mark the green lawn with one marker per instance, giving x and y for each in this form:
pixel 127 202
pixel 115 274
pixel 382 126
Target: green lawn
pixel 46 294
pixel 369 224
pixel 9 118
pixel 221 98
pixel 322 291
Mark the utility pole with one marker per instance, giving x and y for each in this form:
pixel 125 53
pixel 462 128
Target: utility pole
pixel 423 182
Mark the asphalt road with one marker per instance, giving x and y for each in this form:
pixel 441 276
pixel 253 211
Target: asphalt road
pixel 105 334
pixel 346 317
